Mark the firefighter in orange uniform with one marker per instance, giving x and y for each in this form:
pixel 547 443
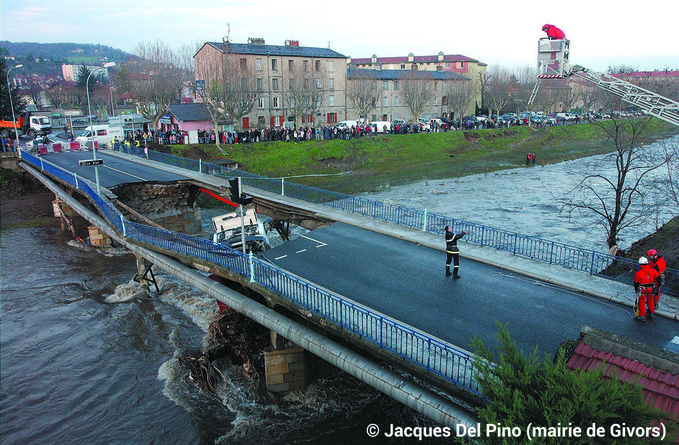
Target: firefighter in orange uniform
pixel 645 283
pixel 658 263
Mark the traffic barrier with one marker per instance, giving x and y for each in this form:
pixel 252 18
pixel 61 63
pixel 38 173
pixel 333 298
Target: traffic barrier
pixel 74 146
pixel 56 147
pixel 42 149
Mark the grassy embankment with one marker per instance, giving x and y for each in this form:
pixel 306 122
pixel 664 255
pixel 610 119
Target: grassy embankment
pixel 383 161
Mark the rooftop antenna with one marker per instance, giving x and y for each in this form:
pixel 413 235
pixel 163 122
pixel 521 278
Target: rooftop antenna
pixel 227 38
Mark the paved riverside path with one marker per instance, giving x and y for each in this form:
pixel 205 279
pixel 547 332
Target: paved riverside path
pixel 407 281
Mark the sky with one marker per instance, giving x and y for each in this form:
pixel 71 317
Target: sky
pixel 603 33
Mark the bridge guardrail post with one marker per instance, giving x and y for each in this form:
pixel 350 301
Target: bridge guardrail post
pixel 75 177
pixel 200 165
pixel 282 186
pixel 424 221
pixel 252 269
pixel 122 225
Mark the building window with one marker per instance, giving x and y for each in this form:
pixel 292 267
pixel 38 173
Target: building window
pixel 317 65
pixel 306 65
pixel 332 118
pixel 331 83
pixel 444 100
pixel 276 104
pixel 260 84
pixel 274 65
pixel 396 101
pixel 291 65
pixel 403 66
pixel 439 68
pixel 331 100
pixel 319 85
pixel 292 84
pixel 258 64
pixel 260 103
pixel 243 64
pixel 461 64
pixel 385 85
pixel 396 85
pixel 331 66
pixel 274 84
pixel 385 101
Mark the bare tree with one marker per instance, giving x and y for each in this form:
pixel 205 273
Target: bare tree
pixel 305 88
pixel 497 90
pixel 34 90
pixel 214 75
pixel 156 79
pixel 459 97
pixel 416 91
pixel 617 201
pixel 363 93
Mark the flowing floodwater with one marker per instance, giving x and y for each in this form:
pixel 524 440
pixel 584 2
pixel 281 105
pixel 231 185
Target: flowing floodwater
pixel 527 200
pixel 87 356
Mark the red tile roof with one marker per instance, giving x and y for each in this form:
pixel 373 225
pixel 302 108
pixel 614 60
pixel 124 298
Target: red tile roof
pixel 660 388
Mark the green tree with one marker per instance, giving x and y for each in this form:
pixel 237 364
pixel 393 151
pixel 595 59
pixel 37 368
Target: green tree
pixel 523 390
pixel 18 101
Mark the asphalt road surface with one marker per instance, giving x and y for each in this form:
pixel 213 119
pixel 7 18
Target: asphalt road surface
pixel 114 171
pixel 407 282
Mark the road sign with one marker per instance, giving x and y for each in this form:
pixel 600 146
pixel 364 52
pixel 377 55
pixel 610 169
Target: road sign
pixel 88 162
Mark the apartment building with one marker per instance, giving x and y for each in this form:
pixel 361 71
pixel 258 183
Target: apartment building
pixel 292 84
pixel 393 101
pixel 458 64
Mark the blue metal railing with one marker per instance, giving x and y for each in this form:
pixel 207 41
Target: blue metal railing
pixel 559 254
pixel 430 354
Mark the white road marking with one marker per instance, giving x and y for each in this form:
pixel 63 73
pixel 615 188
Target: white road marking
pixel 281 257
pixel 301 251
pixel 675 340
pixel 320 243
pixel 124 172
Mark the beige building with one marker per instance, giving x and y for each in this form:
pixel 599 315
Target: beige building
pixel 451 68
pixel 302 86
pixel 293 85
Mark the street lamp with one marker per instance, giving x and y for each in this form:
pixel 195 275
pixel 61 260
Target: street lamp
pixel 9 92
pixel 89 110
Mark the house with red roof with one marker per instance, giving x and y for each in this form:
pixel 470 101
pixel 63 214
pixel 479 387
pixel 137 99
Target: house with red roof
pixel 655 370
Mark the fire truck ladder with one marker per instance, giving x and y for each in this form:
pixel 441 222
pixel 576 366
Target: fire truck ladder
pixel 534 93
pixel 652 103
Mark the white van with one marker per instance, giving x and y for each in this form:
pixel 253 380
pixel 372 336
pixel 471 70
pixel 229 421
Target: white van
pixel 381 126
pixel 347 124
pixel 103 134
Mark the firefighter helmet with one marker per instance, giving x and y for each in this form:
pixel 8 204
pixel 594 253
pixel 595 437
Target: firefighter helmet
pixel 643 260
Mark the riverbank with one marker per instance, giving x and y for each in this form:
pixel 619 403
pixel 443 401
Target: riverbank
pixel 370 164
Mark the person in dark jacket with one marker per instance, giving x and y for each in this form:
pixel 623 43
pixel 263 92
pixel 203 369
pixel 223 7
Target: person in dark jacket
pixel 452 251
pixel 553 32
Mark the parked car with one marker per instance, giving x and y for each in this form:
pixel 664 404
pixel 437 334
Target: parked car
pixel 424 125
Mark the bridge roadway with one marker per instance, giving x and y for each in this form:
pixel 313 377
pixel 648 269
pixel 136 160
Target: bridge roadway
pixel 399 271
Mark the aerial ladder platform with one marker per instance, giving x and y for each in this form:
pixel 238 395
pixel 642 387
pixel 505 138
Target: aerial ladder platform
pixel 553 64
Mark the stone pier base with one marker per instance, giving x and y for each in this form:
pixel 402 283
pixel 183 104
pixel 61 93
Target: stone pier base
pixel 285 370
pixel 98 238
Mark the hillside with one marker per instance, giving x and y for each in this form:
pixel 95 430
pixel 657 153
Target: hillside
pixel 45 59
